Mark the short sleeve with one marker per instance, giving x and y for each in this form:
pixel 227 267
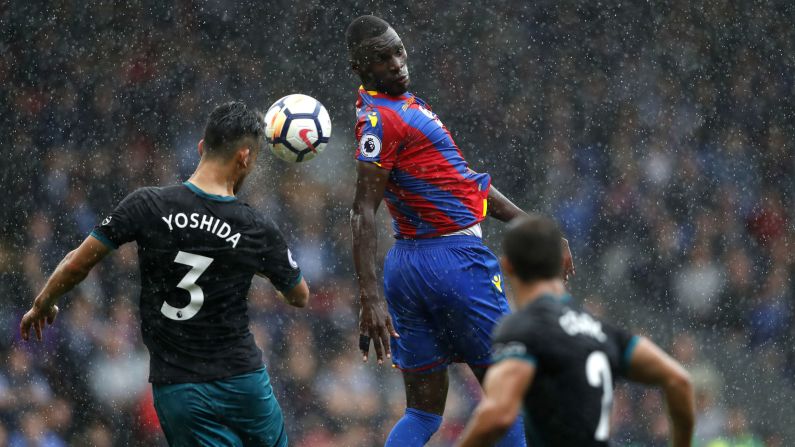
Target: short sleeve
pixel 122 225
pixel 277 262
pixel 626 342
pixel 513 340
pixel 378 137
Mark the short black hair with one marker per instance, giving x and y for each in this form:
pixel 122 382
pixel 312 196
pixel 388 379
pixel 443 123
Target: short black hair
pixel 364 27
pixel 533 246
pixel 228 124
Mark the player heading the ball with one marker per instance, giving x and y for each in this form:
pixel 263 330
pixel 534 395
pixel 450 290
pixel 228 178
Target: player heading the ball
pixel 199 248
pixel 443 286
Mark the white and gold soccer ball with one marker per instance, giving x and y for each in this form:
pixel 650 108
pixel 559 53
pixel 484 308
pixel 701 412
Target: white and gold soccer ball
pixel 297 128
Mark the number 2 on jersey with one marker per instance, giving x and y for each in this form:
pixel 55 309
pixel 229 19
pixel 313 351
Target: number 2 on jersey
pixel 597 371
pixel 199 264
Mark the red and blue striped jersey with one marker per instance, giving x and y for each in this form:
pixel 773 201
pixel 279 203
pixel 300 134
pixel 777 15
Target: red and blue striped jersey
pixel 431 190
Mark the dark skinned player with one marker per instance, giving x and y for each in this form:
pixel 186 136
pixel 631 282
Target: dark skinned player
pixel 559 362
pixel 199 248
pixel 443 287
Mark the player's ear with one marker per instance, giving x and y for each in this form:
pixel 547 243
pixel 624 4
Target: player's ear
pixel 201 148
pixel 243 156
pixel 355 66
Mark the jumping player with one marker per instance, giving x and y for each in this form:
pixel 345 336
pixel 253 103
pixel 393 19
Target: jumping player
pixel 199 248
pixel 560 362
pixel 443 287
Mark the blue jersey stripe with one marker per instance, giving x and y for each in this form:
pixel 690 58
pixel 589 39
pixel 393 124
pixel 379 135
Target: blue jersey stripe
pixel 440 140
pixel 407 212
pixel 443 200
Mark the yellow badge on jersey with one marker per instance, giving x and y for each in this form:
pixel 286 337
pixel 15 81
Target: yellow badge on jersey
pixel 497 281
pixel 373 119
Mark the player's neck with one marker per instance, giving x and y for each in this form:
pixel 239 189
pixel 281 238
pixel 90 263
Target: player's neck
pixel 528 293
pixel 373 87
pixel 214 178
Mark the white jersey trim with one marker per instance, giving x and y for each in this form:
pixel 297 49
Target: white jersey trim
pixel 474 230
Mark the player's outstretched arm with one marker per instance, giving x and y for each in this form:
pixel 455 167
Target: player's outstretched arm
pixel 503 387
pixel 502 209
pixel 651 365
pixel 374 321
pixel 72 269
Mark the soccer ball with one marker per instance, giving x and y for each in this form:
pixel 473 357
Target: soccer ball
pixel 297 128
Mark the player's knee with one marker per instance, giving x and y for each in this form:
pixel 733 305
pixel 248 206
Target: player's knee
pixel 430 421
pixel 427 392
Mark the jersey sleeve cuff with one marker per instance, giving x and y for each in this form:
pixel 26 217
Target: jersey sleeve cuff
pixel 292 283
pixel 104 239
pixel 626 359
pixel 525 357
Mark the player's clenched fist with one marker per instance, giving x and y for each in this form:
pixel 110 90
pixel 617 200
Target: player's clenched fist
pixel 36 318
pixel 375 325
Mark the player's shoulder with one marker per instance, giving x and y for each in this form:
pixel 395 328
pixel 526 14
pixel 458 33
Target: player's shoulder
pixel 159 190
pixel 540 316
pixel 517 325
pixel 376 116
pixel 386 108
pixel 379 126
pixel 517 336
pixel 146 193
pixel 258 218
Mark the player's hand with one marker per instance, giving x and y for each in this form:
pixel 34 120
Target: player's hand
pixel 375 325
pixel 37 317
pixel 568 261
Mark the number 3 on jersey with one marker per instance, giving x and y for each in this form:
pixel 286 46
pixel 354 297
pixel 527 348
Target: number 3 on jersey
pixel 199 264
pixel 597 370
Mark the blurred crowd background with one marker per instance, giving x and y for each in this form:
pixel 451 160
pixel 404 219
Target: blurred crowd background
pixel 659 135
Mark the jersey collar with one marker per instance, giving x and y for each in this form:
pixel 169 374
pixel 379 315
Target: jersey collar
pixel 377 94
pixel 218 198
pixel 564 298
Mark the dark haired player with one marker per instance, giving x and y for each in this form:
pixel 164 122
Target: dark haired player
pixel 199 248
pixel 560 362
pixel 443 287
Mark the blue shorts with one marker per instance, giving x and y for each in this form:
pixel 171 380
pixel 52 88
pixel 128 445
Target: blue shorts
pixel 445 296
pixel 236 411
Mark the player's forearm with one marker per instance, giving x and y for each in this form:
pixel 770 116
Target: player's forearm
pixel 501 208
pixel 364 249
pixel 489 423
pixel 681 408
pixel 651 365
pixel 65 277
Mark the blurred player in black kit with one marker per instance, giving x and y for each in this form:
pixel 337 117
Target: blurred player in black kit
pixel 198 249
pixel 559 362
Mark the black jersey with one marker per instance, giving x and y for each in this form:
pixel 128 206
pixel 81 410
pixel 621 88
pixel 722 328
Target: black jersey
pixel 576 358
pixel 198 253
